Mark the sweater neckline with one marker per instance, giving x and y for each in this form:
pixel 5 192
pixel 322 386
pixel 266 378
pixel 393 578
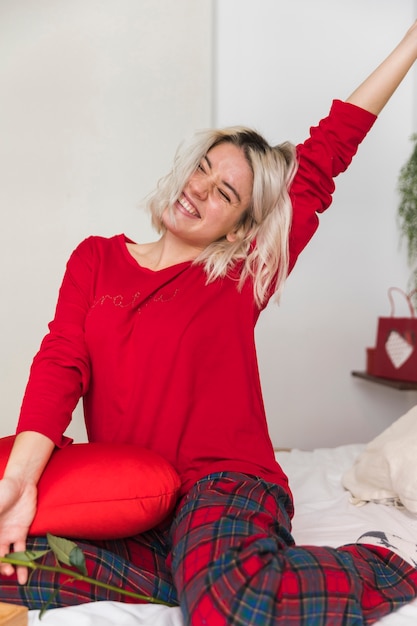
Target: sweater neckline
pixel 124 239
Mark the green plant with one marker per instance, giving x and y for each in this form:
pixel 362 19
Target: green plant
pixel 67 553
pixel 407 210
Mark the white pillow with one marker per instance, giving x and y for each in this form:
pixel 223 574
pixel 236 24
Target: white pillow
pixel 386 470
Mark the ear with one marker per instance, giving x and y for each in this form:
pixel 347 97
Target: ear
pixel 245 229
pixel 236 233
pixel 231 237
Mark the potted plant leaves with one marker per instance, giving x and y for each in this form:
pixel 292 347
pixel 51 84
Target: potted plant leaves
pixel 407 210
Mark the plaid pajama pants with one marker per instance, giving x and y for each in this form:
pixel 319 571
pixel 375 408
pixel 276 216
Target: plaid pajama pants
pixel 228 558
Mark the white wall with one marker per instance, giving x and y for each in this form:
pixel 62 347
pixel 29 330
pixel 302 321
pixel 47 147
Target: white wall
pixel 278 65
pixel 95 97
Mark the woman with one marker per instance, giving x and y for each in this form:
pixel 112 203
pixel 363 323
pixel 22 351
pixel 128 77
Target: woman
pixel 158 339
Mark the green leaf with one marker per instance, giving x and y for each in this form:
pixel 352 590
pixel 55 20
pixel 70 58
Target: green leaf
pixel 77 559
pixel 61 547
pixel 67 552
pixel 26 557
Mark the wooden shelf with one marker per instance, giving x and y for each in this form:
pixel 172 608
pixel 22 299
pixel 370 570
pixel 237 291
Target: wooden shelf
pixel 403 385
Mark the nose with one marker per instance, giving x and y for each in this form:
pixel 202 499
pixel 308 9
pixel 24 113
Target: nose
pixel 200 186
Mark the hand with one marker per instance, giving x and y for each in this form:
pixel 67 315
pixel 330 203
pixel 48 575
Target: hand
pixel 17 510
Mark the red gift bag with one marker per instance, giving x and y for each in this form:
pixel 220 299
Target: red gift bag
pixel 395 353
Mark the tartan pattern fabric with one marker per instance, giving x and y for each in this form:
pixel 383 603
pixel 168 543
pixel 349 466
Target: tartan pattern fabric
pixel 136 564
pixel 234 563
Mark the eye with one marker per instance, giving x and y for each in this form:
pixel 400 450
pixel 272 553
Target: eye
pixel 200 168
pixel 224 195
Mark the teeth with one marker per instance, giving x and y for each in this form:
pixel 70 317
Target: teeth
pixel 187 206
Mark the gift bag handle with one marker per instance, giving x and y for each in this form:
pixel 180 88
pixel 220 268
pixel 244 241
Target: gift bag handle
pixel 407 296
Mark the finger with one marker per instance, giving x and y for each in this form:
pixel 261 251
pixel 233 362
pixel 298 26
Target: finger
pixel 22 572
pixel 5 568
pixel 22 575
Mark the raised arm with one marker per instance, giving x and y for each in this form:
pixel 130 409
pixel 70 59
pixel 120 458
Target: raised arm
pixel 376 90
pixel 333 143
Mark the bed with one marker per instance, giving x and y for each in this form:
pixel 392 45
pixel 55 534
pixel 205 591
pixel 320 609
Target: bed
pixel 325 515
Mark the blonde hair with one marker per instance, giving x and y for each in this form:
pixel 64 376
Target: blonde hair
pixel 262 233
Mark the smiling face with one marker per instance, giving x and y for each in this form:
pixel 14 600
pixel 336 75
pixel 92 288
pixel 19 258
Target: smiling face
pixel 214 198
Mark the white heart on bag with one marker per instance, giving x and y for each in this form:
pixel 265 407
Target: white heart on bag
pixel 398 349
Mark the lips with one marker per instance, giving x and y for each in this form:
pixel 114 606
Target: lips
pixel 186 206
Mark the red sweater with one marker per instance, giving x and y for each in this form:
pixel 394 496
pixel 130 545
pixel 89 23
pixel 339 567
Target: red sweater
pixel 164 360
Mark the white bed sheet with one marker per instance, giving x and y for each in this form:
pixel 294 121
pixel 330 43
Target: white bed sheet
pixel 323 516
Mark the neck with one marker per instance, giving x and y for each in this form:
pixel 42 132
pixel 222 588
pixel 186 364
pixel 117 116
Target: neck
pixel 165 252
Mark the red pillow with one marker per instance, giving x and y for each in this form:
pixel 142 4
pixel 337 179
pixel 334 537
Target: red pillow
pixel 101 490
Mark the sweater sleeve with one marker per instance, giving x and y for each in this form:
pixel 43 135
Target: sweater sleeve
pixel 60 371
pixel 325 154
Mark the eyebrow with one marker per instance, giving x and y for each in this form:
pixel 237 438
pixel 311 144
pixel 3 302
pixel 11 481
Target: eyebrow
pixel 225 183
